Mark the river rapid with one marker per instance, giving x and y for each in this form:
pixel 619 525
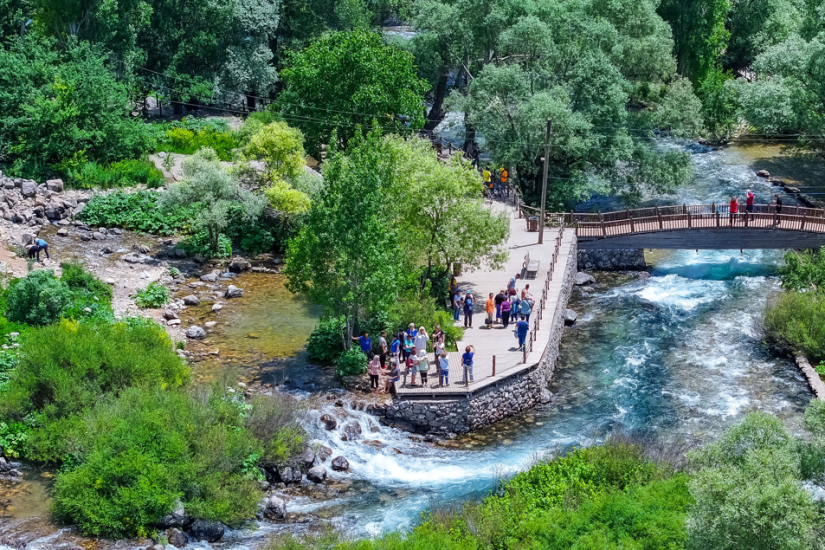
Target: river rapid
pixel 676 357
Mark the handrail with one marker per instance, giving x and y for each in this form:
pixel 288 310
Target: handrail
pixel 689 217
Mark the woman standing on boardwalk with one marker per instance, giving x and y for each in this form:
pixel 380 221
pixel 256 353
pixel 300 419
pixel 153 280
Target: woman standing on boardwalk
pixel 467 361
pixel 469 306
pixel 734 209
pixel 505 313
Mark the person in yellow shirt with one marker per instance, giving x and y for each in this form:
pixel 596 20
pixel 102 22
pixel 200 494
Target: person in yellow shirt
pixel 487 177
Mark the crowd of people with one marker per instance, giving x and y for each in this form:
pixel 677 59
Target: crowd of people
pixel 405 354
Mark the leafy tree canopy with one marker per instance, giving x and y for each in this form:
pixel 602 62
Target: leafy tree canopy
pixel 343 81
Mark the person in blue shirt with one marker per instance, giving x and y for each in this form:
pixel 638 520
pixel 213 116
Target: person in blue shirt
pixel 366 344
pixel 395 348
pixel 42 246
pixel 522 326
pixel 411 332
pixel 526 310
pixel 467 362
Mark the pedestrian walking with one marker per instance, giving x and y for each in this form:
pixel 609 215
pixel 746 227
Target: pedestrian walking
pixel 42 246
pixel 749 198
pixel 469 305
pixel 777 200
pixel 421 339
pixel 499 299
pixel 526 309
pixel 467 361
pixel 522 326
pixel 413 363
pixel 444 368
pixel 374 369
pixel 366 344
pixel 423 366
pixel 491 310
pixel 457 304
pixel 734 209
pixel 505 313
pixel 511 286
pixel 382 345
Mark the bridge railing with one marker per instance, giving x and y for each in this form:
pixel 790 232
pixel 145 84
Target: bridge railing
pixel 666 218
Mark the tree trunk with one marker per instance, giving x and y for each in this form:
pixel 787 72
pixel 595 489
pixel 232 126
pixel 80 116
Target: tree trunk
pixel 470 148
pixel 437 113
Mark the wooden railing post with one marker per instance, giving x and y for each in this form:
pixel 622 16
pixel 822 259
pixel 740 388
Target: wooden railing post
pixel 690 221
pixel 494 365
pixel 659 215
pixel 601 220
pixel 717 219
pixel 746 218
pixel 804 217
pixel 713 208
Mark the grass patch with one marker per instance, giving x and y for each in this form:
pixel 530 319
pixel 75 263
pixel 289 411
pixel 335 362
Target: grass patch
pixel 795 322
pixel 137 212
pixel 153 296
pixel 125 173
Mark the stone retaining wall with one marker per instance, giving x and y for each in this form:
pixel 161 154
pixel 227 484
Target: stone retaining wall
pixel 612 260
pixel 511 395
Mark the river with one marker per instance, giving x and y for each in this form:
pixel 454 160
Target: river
pixel 677 357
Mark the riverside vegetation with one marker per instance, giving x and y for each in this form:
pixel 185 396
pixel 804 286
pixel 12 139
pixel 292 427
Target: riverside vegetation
pixel 110 403
pixel 745 491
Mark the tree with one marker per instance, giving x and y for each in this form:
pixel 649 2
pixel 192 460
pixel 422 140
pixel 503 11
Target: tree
pixel 343 81
pixel 281 148
pixel 206 182
pixel 441 214
pixel 748 492
pixel 345 257
pixel 699 34
pixel 58 107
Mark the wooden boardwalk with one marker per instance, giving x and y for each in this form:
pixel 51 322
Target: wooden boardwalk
pixel 497 344
pixel 707 226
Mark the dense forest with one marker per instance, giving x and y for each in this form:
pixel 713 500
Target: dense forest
pixel 612 76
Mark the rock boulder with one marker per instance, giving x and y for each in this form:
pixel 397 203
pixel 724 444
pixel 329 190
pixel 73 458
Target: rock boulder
pixel 317 474
pixel 233 292
pixel 177 538
pixel 28 188
pixel 763 174
pixel 239 265
pixel 329 422
pixel 570 317
pixel 191 300
pixel 584 279
pixel 274 508
pixel 207 530
pixel 195 333
pixel 290 474
pixel 340 464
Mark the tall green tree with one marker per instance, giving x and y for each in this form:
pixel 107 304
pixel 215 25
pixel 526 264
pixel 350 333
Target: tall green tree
pixel 343 81
pixel 206 182
pixel 346 256
pixel 440 210
pixel 699 32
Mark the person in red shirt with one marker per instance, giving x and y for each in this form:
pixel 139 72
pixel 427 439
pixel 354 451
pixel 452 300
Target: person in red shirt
pixel 749 204
pixel 734 209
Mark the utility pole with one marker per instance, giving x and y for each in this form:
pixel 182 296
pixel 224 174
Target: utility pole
pixel 544 180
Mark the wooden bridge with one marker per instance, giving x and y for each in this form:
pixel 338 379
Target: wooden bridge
pixel 704 226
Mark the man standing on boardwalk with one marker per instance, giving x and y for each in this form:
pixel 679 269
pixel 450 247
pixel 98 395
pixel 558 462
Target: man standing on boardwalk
pixel 366 344
pixel 457 302
pixel 499 300
pixel 778 202
pixel 749 204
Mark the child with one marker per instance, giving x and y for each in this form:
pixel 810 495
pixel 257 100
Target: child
pixel 412 364
pixel 408 346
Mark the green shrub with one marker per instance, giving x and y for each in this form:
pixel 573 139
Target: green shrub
pixel 125 173
pixel 65 368
pixel 146 449
pixel 325 344
pixel 352 363
pixel 795 322
pixel 199 244
pixel 187 139
pixel 87 292
pixel 37 299
pixel 276 421
pixel 153 296
pixel 13 437
pixel 137 212
pixel 423 311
